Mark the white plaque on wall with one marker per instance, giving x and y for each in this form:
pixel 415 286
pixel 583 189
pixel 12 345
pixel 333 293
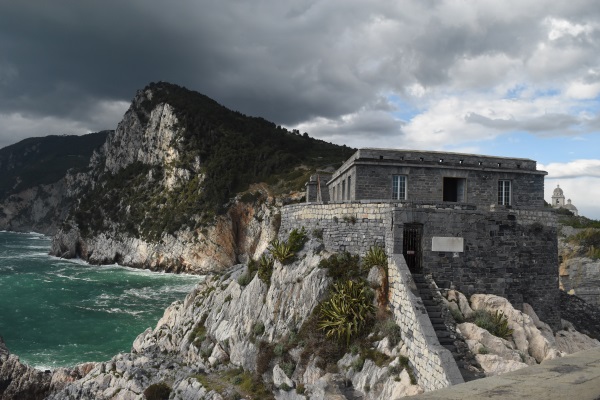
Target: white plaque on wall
pixel 451 244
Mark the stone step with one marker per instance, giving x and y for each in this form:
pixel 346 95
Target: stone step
pixel 452 349
pixel 434 314
pixel 442 334
pixel 429 302
pixel 446 341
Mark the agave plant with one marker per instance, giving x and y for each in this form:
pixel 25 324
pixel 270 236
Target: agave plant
pixel 265 268
pixel 281 251
pixel 375 257
pixel 347 312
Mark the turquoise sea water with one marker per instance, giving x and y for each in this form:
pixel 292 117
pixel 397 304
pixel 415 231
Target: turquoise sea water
pixel 56 312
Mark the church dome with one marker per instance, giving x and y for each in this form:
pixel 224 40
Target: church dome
pixel 570 206
pixel 558 191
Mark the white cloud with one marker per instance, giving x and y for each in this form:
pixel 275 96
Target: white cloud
pixel 583 90
pixel 573 169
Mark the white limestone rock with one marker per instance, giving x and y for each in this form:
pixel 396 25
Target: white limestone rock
pixel 280 378
pixel 480 340
pixel 526 336
pixel 493 364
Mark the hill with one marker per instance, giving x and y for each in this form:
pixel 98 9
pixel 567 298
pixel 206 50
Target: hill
pixel 44 160
pixel 168 177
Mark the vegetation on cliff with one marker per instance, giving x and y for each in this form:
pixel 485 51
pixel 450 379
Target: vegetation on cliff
pixel 221 152
pixel 44 160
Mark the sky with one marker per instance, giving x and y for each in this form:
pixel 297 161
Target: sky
pixel 511 78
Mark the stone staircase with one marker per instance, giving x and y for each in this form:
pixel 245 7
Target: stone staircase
pixel 446 338
pixel 435 313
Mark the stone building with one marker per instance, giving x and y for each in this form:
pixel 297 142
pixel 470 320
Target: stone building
pixel 473 222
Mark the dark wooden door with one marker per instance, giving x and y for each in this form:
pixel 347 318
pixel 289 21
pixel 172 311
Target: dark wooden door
pixel 411 247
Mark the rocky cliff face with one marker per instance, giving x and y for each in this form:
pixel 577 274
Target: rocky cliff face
pixel 243 232
pixel 174 187
pixel 234 336
pixel 578 272
pixel 35 176
pixel 40 209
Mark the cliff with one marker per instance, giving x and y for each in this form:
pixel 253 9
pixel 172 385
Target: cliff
pixel 177 186
pixel 246 334
pixel 579 268
pixel 34 176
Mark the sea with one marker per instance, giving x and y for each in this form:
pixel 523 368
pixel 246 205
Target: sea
pixel 56 312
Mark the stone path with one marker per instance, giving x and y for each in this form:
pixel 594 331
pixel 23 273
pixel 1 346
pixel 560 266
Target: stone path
pixel 574 377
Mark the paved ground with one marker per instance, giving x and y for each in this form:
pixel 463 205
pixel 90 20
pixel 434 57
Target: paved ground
pixel 574 377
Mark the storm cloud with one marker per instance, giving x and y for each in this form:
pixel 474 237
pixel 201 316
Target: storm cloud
pixel 328 66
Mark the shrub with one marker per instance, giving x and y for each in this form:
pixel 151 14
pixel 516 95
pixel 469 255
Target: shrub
pixel 342 266
pixel 264 357
pixel 265 268
pixel 198 335
pixel 258 328
pixel 390 329
pixel 404 363
pixel 244 279
pixel 375 257
pixel 158 391
pixel 297 239
pixel 317 233
pixel 495 323
pixel 347 312
pixel 483 350
pixel 281 251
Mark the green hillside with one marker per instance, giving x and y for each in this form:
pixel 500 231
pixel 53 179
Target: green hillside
pixel 44 160
pixel 235 150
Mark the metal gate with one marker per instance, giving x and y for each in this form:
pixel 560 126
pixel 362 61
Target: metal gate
pixel 411 247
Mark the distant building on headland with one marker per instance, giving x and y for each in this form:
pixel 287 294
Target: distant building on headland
pixel 558 201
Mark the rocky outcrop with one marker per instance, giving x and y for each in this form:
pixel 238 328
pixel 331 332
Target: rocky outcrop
pixel 20 381
pixel 39 208
pixel 243 233
pixel 578 273
pixel 531 341
pixel 227 323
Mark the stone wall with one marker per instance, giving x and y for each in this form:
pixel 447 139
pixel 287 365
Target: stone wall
pixel 352 227
pixel 370 171
pixel 433 364
pixel 426 183
pixel 508 253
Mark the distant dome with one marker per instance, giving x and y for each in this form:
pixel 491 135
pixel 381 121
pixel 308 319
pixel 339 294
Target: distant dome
pixel 570 206
pixel 558 191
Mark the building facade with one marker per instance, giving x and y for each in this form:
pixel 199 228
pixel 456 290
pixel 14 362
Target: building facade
pixel 475 223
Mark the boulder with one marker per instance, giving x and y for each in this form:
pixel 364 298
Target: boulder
pixel 280 378
pixel 493 364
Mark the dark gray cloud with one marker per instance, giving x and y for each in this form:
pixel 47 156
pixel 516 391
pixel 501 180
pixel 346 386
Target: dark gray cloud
pixel 72 66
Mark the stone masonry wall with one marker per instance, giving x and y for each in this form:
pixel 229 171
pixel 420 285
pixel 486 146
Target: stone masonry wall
pixel 425 183
pixel 502 255
pixel 507 252
pixel 433 364
pixel 352 227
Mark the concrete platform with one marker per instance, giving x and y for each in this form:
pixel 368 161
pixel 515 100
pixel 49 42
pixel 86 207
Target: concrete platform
pixel 574 377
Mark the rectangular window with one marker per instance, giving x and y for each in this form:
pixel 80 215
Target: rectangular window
pixel 343 190
pixel 399 187
pixel 504 193
pixel 333 197
pixel 455 190
pixel 349 183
